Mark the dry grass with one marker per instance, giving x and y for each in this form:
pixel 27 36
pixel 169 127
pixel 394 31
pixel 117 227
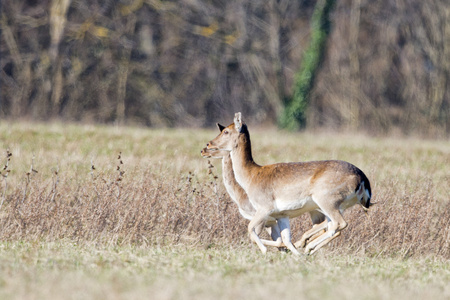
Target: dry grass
pixel 157 221
pixel 128 186
pixel 66 270
pixel 110 186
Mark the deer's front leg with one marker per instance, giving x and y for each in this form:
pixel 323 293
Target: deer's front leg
pixel 259 218
pixel 285 228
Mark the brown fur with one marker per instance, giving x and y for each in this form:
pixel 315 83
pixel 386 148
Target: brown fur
pixel 239 196
pixel 287 190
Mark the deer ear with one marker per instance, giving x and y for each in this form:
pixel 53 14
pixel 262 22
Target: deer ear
pixel 221 127
pixel 238 121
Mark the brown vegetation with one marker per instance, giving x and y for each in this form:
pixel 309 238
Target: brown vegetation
pixel 124 200
pixel 132 207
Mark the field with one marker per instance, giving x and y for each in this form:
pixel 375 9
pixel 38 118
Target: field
pixel 92 212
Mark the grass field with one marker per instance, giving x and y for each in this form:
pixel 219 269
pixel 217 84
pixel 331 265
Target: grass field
pixel 91 212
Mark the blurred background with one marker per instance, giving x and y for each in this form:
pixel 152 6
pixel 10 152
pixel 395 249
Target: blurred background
pixel 381 67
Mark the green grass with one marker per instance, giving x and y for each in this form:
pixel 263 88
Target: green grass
pixel 167 229
pixel 65 270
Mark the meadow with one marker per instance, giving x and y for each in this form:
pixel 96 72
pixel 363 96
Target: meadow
pixel 89 212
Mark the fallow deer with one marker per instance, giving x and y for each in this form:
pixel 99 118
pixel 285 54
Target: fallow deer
pixel 238 195
pixel 287 190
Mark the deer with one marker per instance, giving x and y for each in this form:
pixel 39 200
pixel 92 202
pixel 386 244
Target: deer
pixel 287 190
pixel 238 195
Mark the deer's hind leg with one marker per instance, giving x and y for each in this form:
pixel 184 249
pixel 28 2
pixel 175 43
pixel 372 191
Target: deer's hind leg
pixel 329 206
pixel 336 224
pixel 310 235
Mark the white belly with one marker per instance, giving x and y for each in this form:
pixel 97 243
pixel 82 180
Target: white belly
pixel 294 208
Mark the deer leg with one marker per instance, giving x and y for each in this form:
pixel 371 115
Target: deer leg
pixel 337 224
pixel 258 219
pixel 274 231
pixel 286 234
pixel 311 234
pixel 275 234
pixel 323 243
pixel 315 236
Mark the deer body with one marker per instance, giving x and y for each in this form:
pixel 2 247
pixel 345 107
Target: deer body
pixel 287 190
pixel 239 196
pixel 295 187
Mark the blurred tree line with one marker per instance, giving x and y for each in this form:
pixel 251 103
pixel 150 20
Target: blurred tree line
pixel 385 65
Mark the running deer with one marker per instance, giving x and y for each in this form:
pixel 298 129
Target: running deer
pixel 238 195
pixel 287 190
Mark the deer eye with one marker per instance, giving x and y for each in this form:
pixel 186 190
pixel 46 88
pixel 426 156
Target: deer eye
pixel 225 131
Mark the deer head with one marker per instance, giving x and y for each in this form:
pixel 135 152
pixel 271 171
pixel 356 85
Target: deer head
pixel 228 136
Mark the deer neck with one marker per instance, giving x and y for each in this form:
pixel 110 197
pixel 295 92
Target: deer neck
pixel 228 176
pixel 242 160
pixel 235 191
